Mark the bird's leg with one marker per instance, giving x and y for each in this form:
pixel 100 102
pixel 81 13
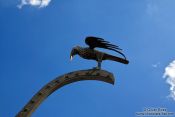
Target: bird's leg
pixel 99 65
pixel 99 61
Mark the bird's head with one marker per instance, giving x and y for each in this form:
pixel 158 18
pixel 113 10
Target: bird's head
pixel 75 51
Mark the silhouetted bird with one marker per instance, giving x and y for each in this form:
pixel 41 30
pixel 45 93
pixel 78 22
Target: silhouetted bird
pixel 91 53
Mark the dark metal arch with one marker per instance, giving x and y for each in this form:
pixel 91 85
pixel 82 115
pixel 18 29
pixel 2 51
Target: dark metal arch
pixel 43 93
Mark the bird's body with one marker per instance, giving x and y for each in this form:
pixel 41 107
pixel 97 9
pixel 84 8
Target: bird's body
pixel 88 53
pixel 93 54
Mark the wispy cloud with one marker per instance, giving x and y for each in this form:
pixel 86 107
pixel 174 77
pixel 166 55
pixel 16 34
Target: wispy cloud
pixel 36 3
pixel 152 8
pixel 156 65
pixel 169 74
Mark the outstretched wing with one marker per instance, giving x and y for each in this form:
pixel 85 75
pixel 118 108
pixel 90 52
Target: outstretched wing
pixel 94 42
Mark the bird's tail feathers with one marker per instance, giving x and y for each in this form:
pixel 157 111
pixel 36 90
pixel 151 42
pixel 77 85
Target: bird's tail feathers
pixel 118 51
pixel 114 58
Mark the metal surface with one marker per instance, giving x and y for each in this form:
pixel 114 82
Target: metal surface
pixel 38 98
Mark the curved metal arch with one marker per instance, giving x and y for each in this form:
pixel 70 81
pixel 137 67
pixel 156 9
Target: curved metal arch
pixel 43 93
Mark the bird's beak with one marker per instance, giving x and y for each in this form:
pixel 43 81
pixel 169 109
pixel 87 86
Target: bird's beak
pixel 71 57
pixel 72 54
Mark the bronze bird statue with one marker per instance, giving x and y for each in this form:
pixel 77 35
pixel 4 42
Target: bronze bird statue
pixel 92 54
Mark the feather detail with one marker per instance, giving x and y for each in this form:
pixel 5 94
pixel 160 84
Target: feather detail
pixel 94 42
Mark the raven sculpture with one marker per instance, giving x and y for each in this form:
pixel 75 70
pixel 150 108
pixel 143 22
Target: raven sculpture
pixel 93 54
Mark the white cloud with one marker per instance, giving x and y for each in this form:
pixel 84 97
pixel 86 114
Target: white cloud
pixel 169 74
pixel 37 3
pixel 156 65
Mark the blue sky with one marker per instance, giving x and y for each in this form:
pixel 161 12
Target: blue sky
pixel 35 43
